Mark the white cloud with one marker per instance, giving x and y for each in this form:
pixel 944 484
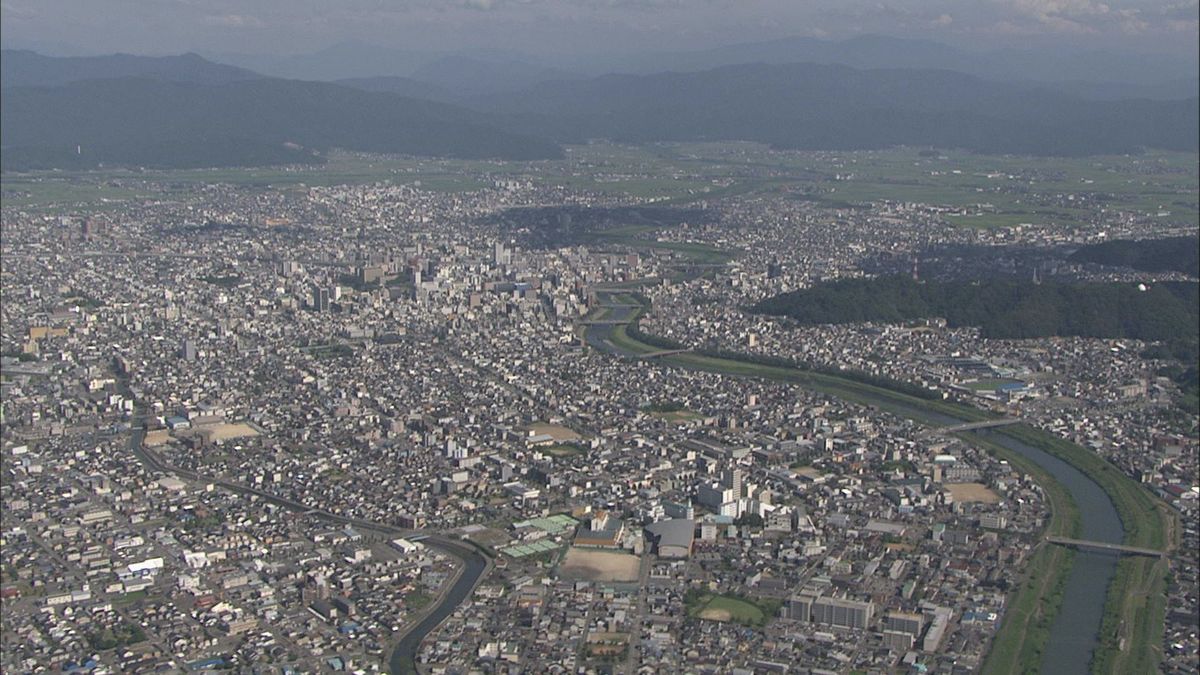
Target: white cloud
pixel 233 20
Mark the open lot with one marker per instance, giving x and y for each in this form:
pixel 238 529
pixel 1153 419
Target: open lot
pixel 556 431
pixel 725 608
pixel 225 432
pixel 589 565
pixel 972 492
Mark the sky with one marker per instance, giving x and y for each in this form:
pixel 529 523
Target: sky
pixel 67 27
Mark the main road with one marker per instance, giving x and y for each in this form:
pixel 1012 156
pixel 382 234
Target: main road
pixel 473 564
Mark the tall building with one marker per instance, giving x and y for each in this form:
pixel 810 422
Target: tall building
pixel 320 299
pixel 501 256
pixel 735 479
pixel 187 351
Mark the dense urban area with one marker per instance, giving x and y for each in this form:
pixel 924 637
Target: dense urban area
pixel 390 414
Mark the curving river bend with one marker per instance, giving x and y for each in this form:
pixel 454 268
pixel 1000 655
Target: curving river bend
pixel 1075 632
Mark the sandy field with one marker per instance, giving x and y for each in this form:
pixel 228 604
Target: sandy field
pixel 156 437
pixel 225 432
pixel 555 431
pixel 589 565
pixel 972 492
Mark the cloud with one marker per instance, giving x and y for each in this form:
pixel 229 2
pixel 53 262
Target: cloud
pixel 12 11
pixel 1072 16
pixel 233 20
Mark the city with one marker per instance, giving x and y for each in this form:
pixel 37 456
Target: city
pixel 280 425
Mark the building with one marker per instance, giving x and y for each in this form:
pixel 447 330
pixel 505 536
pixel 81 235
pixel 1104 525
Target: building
pixel 672 538
pixel 812 605
pixel 904 622
pixel 320 299
pixel 843 613
pixel 604 531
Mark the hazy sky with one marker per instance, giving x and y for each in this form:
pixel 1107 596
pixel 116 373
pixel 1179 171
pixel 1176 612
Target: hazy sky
pixel 579 26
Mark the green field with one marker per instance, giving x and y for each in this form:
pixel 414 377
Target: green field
pixel 677 415
pixel 726 608
pixel 561 450
pixel 997 191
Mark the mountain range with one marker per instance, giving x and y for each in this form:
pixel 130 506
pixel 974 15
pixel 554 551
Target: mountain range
pixel 188 111
pixel 1088 73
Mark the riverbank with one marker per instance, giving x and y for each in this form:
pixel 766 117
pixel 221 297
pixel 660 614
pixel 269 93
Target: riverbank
pixel 1020 643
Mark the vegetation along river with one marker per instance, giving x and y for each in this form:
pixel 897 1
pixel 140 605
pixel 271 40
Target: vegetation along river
pixel 1074 634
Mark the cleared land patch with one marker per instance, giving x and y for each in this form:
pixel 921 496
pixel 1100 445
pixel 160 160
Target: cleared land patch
pixel 972 492
pixel 225 432
pixel 599 565
pixel 556 431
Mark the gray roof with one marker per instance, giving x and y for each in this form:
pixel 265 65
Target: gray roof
pixel 674 532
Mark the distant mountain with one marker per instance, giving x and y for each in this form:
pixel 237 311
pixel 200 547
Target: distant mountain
pixel 1112 74
pixel 459 79
pixel 1167 90
pixel 1104 75
pixel 811 106
pixel 20 68
pixel 403 86
pixel 468 76
pixel 171 124
pixel 337 62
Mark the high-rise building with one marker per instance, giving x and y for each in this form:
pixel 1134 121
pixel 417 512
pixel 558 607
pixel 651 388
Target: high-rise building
pixel 320 299
pixel 187 350
pixel 735 479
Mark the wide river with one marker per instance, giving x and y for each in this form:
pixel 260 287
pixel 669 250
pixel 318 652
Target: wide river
pixel 1075 633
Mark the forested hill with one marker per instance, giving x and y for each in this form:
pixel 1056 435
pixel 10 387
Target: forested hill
pixel 820 107
pixel 156 123
pixel 1174 254
pixel 1003 309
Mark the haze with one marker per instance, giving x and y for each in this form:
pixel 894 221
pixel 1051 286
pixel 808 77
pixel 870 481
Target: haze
pixel 574 28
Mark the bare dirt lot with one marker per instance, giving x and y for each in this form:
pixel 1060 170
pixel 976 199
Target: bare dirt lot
pixel 972 492
pixel 589 565
pixel 556 431
pixel 225 432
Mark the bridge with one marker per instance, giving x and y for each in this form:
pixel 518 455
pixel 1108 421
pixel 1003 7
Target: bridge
pixel 605 322
pixel 989 424
pixel 1104 546
pixel 662 352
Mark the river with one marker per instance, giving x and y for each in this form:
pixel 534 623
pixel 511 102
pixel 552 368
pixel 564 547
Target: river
pixel 1074 636
pixel 474 565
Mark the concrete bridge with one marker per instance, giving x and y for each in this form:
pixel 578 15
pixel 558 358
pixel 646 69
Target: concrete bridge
pixel 662 352
pixel 989 424
pixel 605 322
pixel 1104 546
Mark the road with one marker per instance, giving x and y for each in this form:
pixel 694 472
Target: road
pixel 474 566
